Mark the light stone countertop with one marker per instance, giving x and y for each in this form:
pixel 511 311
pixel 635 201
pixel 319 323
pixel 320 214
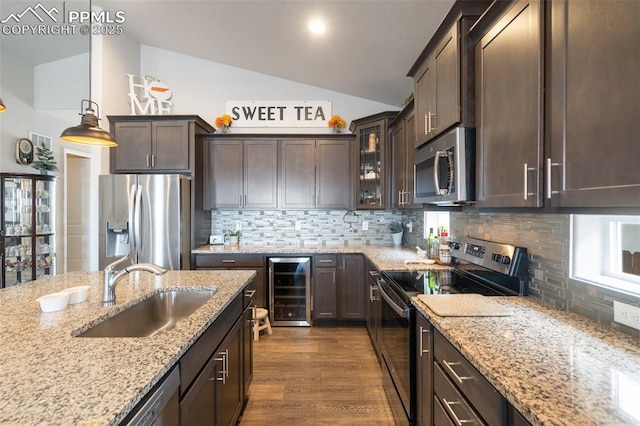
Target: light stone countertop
pixel 384 257
pixel 50 377
pixel 556 368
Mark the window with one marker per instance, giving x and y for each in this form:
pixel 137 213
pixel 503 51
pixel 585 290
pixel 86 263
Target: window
pixel 605 251
pixel 437 221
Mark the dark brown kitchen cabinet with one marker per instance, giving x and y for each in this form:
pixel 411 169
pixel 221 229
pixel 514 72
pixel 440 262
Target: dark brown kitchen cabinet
pixel 593 104
pixel 403 134
pixel 443 74
pixel 424 371
pixel 338 287
pixel 371 159
pixel 242 174
pixel 509 103
pixel 252 262
pixel 211 372
pixel 464 393
pixel 315 174
pixel 325 287
pixel 352 287
pixel 155 144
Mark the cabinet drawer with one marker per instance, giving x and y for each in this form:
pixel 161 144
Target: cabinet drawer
pixel 196 357
pixel 440 417
pixel 480 393
pixel 325 261
pixel 451 401
pixel 229 261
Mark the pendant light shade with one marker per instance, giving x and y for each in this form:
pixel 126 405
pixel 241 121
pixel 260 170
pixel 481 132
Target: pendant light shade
pixel 88 132
pixel 2 107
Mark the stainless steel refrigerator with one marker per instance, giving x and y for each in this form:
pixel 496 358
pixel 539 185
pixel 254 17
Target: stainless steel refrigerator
pixel 146 216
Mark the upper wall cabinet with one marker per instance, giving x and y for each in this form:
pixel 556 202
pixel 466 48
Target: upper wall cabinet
pixel 269 173
pixel 242 174
pixel 443 75
pixel 155 144
pixel 593 104
pixel 403 134
pixel 372 163
pixel 509 93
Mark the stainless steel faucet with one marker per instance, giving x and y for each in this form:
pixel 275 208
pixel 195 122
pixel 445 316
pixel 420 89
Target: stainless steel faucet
pixel 111 277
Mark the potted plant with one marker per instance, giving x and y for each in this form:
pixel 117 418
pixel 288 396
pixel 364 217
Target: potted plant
pixel 234 237
pixel 396 232
pixel 45 162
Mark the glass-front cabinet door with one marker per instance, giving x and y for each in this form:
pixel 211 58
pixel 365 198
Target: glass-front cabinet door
pixel 372 177
pixel 27 235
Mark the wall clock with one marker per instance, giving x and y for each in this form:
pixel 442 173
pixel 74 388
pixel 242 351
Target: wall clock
pixel 24 151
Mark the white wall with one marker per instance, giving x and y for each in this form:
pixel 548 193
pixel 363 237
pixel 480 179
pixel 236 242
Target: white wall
pixel 203 87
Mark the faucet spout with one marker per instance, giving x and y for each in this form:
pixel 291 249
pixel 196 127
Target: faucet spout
pixel 111 277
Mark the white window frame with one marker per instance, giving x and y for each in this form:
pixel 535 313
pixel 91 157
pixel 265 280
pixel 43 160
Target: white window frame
pixel 596 252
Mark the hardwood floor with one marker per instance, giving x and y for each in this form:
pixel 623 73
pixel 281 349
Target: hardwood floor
pixel 316 376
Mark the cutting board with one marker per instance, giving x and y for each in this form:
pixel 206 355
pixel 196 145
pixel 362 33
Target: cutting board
pixel 464 305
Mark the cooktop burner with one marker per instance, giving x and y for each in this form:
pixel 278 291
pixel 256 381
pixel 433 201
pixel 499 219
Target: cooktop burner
pixel 414 283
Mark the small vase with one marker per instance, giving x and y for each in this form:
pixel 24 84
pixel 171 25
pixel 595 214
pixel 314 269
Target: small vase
pixel 234 240
pixel 397 238
pixel 337 129
pixel 223 129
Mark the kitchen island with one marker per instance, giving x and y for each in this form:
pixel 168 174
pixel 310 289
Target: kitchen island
pixel 554 367
pixel 51 377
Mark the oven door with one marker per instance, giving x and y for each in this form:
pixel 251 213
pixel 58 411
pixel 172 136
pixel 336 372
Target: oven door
pixel 398 352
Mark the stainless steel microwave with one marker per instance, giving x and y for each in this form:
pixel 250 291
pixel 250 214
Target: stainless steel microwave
pixel 444 169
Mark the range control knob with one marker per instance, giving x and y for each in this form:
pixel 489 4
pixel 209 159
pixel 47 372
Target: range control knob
pixel 500 258
pixel 455 246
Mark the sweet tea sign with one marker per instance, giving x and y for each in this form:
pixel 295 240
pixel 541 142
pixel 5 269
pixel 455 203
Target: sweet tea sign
pixel 279 113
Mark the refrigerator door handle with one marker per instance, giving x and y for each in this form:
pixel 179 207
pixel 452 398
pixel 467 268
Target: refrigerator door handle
pixel 133 250
pixel 137 218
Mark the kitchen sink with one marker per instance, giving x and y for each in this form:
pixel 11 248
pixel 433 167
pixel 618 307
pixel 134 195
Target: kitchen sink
pixel 158 313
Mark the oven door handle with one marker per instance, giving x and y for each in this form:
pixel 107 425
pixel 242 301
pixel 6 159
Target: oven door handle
pixel 404 313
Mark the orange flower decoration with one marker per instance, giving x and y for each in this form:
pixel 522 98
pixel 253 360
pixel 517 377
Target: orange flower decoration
pixel 337 122
pixel 224 121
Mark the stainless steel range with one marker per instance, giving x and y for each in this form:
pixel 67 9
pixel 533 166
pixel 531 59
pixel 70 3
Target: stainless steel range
pixel 478 266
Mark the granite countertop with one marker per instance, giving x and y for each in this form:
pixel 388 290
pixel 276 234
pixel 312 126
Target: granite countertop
pixel 384 257
pixel 51 377
pixel 556 368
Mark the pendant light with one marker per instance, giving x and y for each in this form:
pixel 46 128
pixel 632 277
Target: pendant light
pixel 89 132
pixel 2 107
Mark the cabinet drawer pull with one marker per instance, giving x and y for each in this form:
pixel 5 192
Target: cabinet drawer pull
pixel 527 169
pixel 229 261
pixel 459 422
pixel 460 379
pixel 423 331
pixel 250 293
pixel 550 192
pixel 325 261
pixel 224 357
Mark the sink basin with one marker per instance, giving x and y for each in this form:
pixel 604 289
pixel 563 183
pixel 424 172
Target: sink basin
pixel 151 316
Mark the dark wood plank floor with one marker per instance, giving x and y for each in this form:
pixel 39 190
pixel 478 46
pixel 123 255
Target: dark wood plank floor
pixel 316 376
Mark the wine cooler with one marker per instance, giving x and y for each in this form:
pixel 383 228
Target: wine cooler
pixel 289 291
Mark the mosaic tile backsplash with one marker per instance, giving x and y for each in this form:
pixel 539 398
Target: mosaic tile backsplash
pixel 315 227
pixel 546 237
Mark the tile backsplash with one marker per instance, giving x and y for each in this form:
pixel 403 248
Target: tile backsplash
pixel 547 239
pixel 314 227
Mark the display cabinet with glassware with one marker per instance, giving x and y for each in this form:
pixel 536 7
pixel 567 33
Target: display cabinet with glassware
pixel 372 177
pixel 27 228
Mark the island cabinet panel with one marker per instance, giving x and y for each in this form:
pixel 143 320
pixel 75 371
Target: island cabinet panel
pixel 509 106
pixel 593 104
pixel 155 144
pixel 211 372
pixel 241 174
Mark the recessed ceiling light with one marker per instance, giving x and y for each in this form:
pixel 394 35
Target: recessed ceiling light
pixel 317 26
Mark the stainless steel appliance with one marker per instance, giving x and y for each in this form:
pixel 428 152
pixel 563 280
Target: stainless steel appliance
pixel 147 216
pixel 444 169
pixel 290 291
pixel 479 266
pixel 162 407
